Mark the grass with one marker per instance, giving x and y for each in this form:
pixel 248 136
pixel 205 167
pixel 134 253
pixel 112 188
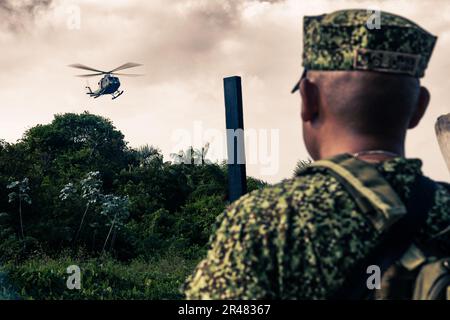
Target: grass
pixel 102 278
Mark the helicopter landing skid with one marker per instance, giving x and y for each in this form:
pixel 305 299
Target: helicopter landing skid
pixel 116 94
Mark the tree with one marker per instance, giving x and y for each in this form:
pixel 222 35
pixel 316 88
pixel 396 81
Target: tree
pixel 73 145
pixel 3 144
pixel 115 209
pixel 21 195
pixel 192 156
pixel 90 191
pixel 148 154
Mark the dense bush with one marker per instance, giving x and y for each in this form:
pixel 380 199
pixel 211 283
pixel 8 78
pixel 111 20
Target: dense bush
pixel 75 186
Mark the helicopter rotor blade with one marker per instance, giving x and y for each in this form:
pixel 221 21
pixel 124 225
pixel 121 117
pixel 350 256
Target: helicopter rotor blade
pixel 128 74
pixel 126 66
pixel 89 75
pixel 81 66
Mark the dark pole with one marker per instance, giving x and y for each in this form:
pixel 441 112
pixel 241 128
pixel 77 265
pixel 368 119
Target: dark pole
pixel 237 178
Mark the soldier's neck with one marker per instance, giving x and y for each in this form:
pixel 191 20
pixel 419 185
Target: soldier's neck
pixel 361 146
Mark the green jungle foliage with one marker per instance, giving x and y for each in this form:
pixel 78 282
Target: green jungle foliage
pixel 73 193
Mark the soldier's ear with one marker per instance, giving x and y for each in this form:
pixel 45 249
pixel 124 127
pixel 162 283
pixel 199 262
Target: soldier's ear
pixel 422 105
pixel 309 93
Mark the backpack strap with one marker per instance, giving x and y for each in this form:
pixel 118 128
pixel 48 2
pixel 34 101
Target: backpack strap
pixel 396 241
pixel 372 193
pixel 397 222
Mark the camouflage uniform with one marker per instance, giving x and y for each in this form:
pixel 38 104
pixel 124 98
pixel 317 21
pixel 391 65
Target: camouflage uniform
pixel 300 238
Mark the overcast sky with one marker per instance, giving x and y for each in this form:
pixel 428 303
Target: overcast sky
pixel 187 48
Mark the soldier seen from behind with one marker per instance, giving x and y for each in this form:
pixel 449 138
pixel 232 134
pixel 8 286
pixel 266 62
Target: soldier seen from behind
pixel 361 203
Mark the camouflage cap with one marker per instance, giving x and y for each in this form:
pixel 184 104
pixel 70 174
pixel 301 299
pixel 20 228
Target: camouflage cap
pixel 351 40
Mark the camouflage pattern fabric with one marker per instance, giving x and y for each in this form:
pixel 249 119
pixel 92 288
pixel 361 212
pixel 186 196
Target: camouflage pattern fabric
pixel 300 238
pixel 342 40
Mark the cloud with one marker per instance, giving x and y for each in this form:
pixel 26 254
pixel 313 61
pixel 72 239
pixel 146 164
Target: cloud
pixel 187 48
pixel 14 14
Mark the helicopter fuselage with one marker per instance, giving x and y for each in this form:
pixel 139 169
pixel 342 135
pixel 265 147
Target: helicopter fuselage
pixel 107 85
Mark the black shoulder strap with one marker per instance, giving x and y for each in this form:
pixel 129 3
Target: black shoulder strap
pixel 395 241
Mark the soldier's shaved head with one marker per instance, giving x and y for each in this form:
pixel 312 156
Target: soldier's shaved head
pixel 361 89
pixel 368 102
pixel 359 105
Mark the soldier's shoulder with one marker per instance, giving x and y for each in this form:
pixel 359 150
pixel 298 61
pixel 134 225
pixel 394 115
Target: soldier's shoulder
pixel 445 186
pixel 442 199
pixel 310 188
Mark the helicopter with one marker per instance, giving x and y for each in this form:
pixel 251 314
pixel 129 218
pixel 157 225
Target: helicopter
pixel 109 84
